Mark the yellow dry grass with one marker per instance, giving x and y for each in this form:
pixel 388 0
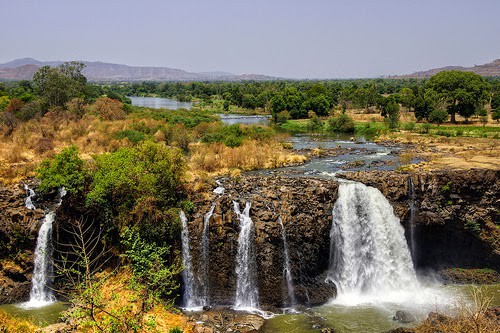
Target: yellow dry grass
pixel 15 325
pixel 451 153
pixel 218 159
pixel 473 317
pixel 121 299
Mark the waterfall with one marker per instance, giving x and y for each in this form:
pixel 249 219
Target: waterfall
pixel 203 277
pixel 413 237
pixel 43 272
pixel 286 267
pixel 29 199
pixel 190 298
pixel 247 296
pixel 369 257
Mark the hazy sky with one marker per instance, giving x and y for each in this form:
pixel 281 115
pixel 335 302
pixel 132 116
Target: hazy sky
pixel 300 39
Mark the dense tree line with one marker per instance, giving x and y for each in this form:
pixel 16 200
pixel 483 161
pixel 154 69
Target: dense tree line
pixel 455 92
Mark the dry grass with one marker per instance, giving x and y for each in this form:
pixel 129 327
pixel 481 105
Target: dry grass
pixel 119 298
pixel 473 318
pixel 455 153
pixel 218 159
pixel 15 325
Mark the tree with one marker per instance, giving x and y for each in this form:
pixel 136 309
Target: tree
pixel 495 101
pixel 462 92
pixel 57 85
pixel 407 98
pixel 392 109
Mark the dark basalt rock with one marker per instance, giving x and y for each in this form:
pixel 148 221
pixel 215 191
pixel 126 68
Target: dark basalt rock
pixel 305 207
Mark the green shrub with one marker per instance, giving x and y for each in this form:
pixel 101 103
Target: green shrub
pixel 341 123
pixel 425 128
pixel 438 116
pixel 65 169
pixel 152 268
pixel 125 178
pixel 472 226
pixel 133 136
pixel 443 133
pixel 410 126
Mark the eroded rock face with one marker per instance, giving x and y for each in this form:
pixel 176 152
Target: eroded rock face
pixel 457 214
pixel 18 232
pixel 305 207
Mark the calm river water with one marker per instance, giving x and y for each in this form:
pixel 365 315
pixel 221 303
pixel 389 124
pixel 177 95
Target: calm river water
pixel 159 103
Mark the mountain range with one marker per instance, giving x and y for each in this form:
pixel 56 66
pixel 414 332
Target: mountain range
pixel 23 69
pixel 489 69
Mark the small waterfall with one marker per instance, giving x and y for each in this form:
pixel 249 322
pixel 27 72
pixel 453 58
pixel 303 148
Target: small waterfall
pixel 203 277
pixel 29 199
pixel 247 295
pixel 43 272
pixel 413 237
pixel 286 267
pixel 190 298
pixel 369 257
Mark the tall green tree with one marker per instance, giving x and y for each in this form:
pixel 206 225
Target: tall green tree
pixel 462 92
pixel 57 85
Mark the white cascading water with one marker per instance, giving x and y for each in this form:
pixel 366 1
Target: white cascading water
pixel 43 272
pixel 413 237
pixel 369 256
pixel 190 297
pixel 247 295
pixel 203 277
pixel 29 199
pixel 286 267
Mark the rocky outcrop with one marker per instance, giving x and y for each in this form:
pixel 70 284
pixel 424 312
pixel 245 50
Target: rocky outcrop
pixel 18 232
pixel 457 214
pixel 305 207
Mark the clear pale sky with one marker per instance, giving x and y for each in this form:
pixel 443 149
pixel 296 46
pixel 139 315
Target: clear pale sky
pixel 298 39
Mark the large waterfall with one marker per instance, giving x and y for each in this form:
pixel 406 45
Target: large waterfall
pixel 43 273
pixel 369 257
pixel 247 295
pixel 286 267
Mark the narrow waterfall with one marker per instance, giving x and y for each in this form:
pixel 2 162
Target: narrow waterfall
pixel 286 267
pixel 413 237
pixel 190 297
pixel 203 277
pixel 247 295
pixel 369 257
pixel 43 273
pixel 29 199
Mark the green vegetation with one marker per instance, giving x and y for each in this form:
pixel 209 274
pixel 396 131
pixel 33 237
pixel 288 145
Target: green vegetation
pixel 65 170
pixel 341 123
pixel 463 92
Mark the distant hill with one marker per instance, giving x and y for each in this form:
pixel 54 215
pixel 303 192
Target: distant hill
pixel 489 69
pixel 23 69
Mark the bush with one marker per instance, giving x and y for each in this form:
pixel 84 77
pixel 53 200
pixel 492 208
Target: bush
pixel 341 123
pixel 143 178
pixel 150 266
pixel 133 136
pixel 438 116
pixel 426 127
pixel 65 169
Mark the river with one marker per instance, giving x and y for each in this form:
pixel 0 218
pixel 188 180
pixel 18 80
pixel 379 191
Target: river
pixel 159 103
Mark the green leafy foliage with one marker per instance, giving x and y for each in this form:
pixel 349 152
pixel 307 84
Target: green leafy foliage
pixel 133 136
pixel 152 267
pixel 341 123
pixel 65 169
pixel 126 177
